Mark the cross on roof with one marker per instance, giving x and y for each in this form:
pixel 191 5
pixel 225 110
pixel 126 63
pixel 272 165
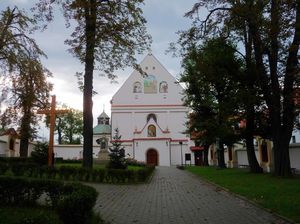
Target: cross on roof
pixel 53 112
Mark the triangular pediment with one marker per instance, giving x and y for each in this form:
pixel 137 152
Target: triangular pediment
pixel 159 87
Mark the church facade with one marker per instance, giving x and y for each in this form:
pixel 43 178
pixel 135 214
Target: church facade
pixel 149 113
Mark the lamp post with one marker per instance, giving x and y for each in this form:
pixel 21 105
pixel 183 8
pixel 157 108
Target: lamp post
pixel 180 143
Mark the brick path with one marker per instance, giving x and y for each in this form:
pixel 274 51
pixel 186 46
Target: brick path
pixel 176 196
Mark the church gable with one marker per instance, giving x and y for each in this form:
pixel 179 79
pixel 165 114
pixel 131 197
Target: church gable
pixel 159 87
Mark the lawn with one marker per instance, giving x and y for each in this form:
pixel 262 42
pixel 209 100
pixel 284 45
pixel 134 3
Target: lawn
pixel 280 195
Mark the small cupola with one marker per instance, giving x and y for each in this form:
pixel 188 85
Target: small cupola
pixel 103 118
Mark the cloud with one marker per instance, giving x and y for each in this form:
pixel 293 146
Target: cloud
pixel 165 18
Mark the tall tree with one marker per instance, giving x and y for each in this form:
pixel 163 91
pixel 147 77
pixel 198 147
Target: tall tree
pixel 274 31
pixel 15 42
pixel 108 32
pixel 30 91
pixel 25 77
pixel 211 92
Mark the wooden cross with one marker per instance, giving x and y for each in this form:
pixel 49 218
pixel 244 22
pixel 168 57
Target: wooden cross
pixel 53 112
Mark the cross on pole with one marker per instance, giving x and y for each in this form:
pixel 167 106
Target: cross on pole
pixel 53 112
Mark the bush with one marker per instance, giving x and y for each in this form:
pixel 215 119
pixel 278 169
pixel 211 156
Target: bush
pixel 39 154
pixel 117 153
pixel 77 204
pixel 19 215
pixel 134 162
pixel 73 202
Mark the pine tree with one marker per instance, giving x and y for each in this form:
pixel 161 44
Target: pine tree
pixel 117 153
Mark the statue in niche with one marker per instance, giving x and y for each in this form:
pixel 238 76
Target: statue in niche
pixel 163 87
pixel 137 87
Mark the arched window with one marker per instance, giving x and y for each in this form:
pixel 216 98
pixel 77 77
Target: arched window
pixel 151 131
pixel 153 116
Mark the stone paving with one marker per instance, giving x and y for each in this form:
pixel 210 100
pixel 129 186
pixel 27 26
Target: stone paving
pixel 179 197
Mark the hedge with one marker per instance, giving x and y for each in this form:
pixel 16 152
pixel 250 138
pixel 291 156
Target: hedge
pixel 73 202
pixel 70 173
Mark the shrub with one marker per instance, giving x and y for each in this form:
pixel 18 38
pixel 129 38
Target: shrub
pixel 19 215
pixel 77 204
pixel 117 153
pixel 73 202
pixel 134 162
pixel 40 153
pixel 3 168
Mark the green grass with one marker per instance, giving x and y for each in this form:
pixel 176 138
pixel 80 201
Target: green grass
pixel 280 195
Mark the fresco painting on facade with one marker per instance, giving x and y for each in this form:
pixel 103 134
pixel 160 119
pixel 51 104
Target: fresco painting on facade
pixel 151 131
pixel 150 84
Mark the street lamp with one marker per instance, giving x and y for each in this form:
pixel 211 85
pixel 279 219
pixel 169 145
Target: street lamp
pixel 180 143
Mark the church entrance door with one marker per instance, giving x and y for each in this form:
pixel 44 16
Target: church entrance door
pixel 152 157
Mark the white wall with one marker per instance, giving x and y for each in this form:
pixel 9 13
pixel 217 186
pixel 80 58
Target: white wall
pixel 72 151
pixel 295 156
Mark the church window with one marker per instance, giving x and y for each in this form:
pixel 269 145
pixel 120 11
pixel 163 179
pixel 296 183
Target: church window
pixel 150 84
pixel 151 131
pixel 153 116
pixel 163 87
pixel 137 87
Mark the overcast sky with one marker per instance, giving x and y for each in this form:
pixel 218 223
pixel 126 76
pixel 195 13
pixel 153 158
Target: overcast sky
pixel 164 19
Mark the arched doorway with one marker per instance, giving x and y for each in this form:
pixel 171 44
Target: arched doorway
pixel 152 157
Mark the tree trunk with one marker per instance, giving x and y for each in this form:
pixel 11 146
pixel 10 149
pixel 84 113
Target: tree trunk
pixel 220 153
pixel 252 160
pixel 24 132
pixel 24 147
pixel 59 131
pixel 90 33
pixel 249 104
pixel 205 155
pixel 281 113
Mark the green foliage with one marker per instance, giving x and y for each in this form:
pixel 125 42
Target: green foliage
pixel 73 209
pixel 280 195
pixel 211 75
pixel 269 33
pixel 39 154
pixel 69 126
pixel 21 215
pixel 73 202
pixel 74 172
pixel 117 153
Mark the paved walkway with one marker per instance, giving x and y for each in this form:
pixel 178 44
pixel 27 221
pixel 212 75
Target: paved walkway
pixel 176 196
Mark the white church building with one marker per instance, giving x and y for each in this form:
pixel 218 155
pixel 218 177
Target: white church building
pixel 151 118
